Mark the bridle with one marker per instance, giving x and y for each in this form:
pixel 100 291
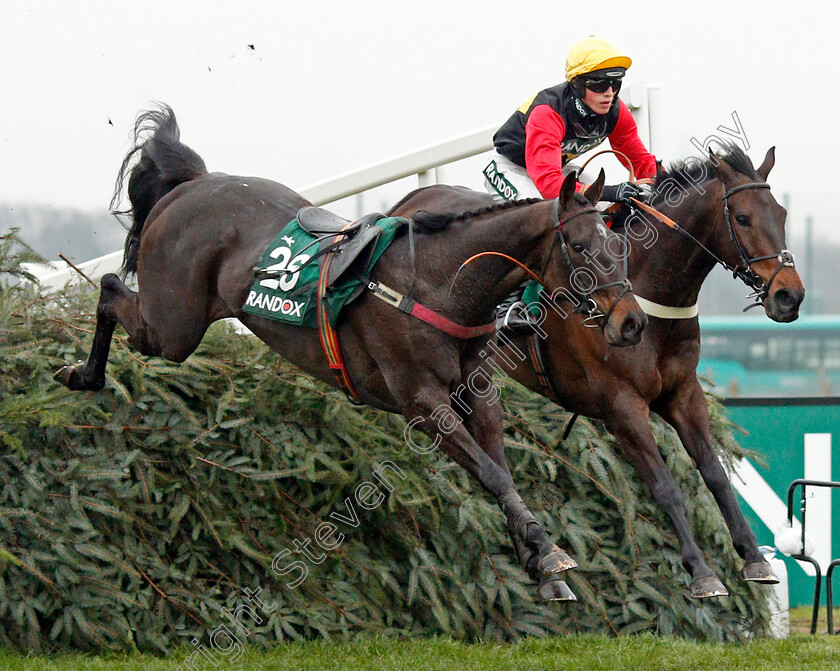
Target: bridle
pixel 589 307
pixel 743 270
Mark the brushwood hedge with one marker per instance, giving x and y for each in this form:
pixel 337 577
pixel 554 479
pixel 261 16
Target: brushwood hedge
pixel 183 504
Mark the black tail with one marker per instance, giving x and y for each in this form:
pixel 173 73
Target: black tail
pixel 164 163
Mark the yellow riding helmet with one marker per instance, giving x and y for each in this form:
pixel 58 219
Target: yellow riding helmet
pixel 594 53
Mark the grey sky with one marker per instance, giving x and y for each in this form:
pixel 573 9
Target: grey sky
pixel 332 86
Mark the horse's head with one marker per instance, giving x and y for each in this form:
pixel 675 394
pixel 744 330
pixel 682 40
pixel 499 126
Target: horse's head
pixel 756 225
pixel 590 258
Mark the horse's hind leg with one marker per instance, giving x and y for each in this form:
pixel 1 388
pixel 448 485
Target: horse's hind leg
pixel 90 376
pixel 688 414
pixel 175 337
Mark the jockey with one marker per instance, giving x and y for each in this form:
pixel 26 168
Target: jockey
pixel 534 146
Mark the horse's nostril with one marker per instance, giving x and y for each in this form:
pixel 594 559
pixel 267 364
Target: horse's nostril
pixel 784 299
pixel 631 327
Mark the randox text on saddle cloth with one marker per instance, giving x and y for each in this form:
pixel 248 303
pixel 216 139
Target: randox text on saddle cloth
pixel 289 296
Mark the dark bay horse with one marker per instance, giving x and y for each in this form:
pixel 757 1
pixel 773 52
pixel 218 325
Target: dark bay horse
pixel 725 209
pixel 196 237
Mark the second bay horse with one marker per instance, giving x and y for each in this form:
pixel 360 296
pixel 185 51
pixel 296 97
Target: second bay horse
pixel 725 213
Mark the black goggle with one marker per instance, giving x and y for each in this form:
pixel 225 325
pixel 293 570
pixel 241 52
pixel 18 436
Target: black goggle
pixel 601 85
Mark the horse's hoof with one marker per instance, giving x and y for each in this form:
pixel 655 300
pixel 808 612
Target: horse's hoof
pixel 65 375
pixel 760 572
pixel 556 561
pixel 73 377
pixel 554 589
pixel 704 588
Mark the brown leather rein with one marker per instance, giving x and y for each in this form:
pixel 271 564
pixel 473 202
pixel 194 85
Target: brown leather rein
pixel 743 270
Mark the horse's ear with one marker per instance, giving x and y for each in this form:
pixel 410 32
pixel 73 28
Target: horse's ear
pixel 567 190
pixel 660 172
pixel 768 163
pixel 593 191
pixel 722 169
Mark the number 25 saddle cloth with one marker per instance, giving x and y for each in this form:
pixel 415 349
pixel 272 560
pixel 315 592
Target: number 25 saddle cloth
pixel 318 251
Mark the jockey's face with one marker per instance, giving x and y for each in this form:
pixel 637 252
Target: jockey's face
pixel 600 103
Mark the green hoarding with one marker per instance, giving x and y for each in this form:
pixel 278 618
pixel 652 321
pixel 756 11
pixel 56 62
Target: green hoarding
pixel 777 429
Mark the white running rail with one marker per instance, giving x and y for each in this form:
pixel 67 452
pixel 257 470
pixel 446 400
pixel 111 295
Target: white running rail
pixel 420 163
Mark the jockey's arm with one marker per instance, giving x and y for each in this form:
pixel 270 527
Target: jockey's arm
pixel 544 134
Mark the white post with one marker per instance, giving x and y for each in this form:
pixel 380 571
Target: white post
pixel 426 178
pixel 654 122
pixel 422 160
pixel 818 467
pixel 635 97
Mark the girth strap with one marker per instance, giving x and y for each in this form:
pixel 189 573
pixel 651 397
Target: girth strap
pixel 535 352
pixel 328 336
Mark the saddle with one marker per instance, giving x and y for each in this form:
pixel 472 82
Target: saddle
pixel 318 222
pixel 352 251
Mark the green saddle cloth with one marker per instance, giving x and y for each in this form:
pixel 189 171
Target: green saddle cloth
pixel 291 297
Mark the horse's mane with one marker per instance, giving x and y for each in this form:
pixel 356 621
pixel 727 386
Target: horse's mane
pixel 693 171
pixel 428 222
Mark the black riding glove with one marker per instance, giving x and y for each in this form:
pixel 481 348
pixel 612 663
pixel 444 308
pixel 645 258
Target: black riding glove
pixel 621 193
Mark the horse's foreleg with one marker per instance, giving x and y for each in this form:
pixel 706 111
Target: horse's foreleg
pixel 90 376
pixel 688 414
pixel 629 423
pixel 543 559
pixel 537 554
pixel 469 434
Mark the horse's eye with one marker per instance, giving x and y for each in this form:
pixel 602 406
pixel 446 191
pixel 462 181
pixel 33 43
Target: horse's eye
pixel 578 247
pixel 743 220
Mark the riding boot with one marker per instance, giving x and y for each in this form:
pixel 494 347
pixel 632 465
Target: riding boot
pixel 512 314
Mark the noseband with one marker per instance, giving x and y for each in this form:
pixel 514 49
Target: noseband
pixel 588 307
pixel 743 270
